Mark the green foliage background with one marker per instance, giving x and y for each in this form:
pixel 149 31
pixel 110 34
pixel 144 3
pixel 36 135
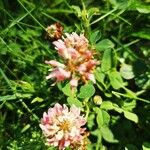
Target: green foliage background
pixel 119 30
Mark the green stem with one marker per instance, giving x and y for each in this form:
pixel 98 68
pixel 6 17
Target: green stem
pixel 85 19
pixel 102 17
pixel 87 110
pixel 31 15
pixel 29 110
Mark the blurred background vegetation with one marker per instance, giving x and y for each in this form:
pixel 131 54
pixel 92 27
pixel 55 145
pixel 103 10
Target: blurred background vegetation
pixel 123 25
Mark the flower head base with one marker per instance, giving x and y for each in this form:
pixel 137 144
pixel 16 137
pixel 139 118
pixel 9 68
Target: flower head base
pixel 79 62
pixel 63 127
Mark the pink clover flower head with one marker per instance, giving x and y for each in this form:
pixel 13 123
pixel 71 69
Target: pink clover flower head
pixel 79 62
pixel 62 126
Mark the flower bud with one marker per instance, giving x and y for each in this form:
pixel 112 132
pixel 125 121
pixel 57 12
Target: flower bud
pixel 97 100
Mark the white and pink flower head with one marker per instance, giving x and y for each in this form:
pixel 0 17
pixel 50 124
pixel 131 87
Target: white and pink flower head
pixel 54 31
pixel 62 126
pixel 79 62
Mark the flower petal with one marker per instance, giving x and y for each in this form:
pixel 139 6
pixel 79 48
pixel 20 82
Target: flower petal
pixel 74 82
pixel 91 77
pixel 55 63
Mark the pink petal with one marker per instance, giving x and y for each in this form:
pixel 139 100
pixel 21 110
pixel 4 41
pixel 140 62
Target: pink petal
pixel 51 75
pixel 59 135
pixel 74 131
pixel 81 121
pixel 60 74
pixel 55 143
pixel 55 63
pixel 74 82
pixel 91 77
pixel 58 108
pixel 88 55
pixel 67 143
pixel 61 145
pixel 75 110
pixel 82 68
pixel 73 53
pixel 90 64
pixel 59 44
pixel 45 118
pixel 62 49
pixel 65 109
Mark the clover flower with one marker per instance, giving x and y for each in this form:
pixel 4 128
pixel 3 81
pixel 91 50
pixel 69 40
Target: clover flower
pixel 78 60
pixel 54 31
pixel 63 127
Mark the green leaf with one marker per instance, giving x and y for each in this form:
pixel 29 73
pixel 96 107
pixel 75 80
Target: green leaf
pixel 143 81
pixel 56 3
pixel 99 118
pixel 26 87
pixel 21 95
pixel 8 97
pixel 111 106
pixel 145 9
pixel 9 106
pixel 126 71
pixel 3 48
pixel 67 90
pixel 104 44
pixel 131 116
pixel 107 105
pixel 100 76
pixel 120 4
pixel 86 91
pixel 74 101
pixel 117 108
pixel 77 10
pixel 96 132
pixel 108 135
pixel 16 47
pixel 90 121
pixel 15 96
pixel 129 105
pixel 92 11
pixel 130 93
pixel 37 99
pixel 25 128
pixel 106 60
pixel 145 34
pixel 102 118
pixel 146 146
pixel 109 95
pixel 95 36
pixel 115 79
